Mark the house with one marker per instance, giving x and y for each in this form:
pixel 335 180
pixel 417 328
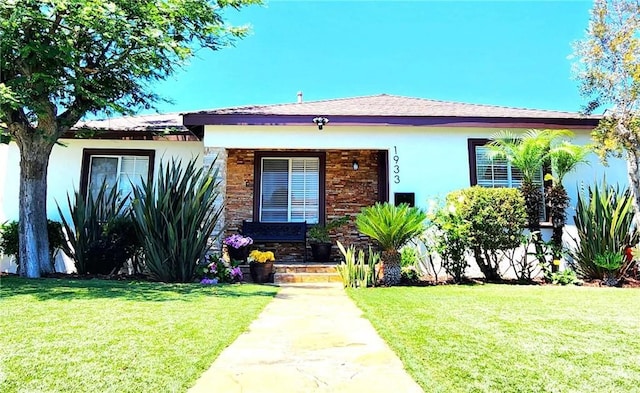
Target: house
pixel 311 161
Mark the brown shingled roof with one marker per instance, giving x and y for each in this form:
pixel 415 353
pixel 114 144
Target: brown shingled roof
pixel 390 105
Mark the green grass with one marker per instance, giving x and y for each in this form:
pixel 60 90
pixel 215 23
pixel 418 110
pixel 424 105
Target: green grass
pixel 499 338
pixel 107 336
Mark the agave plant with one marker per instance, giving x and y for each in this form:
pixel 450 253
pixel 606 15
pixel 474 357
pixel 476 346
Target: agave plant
pixel 88 218
pixel 604 220
pixel 175 218
pixel 392 227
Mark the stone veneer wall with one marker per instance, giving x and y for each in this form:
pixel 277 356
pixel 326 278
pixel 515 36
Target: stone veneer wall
pixel 347 191
pixel 217 157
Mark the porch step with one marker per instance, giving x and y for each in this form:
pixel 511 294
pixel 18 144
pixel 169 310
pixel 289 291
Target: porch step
pixel 305 273
pixel 298 268
pixel 288 273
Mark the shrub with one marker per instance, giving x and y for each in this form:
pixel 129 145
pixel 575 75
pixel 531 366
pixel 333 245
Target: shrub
pixel 354 272
pixel 493 219
pixel 10 237
pixel 427 249
pixel 450 241
pixel 218 270
pixel 604 220
pixel 520 259
pixel 175 217
pixel 408 256
pixel 100 233
pixel 409 274
pixel 392 227
pixel 117 243
pixel 565 277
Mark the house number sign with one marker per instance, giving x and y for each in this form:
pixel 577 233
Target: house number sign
pixel 396 165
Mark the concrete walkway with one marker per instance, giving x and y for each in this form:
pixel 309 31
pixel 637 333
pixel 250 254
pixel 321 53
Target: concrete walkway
pixel 310 338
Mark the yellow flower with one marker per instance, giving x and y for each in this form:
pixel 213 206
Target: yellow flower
pixel 262 256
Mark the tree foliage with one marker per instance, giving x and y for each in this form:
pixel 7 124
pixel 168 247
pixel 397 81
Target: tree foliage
pixel 77 56
pixel 62 59
pixel 608 69
pixel 493 220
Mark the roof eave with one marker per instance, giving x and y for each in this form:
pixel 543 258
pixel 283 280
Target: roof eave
pixel 147 135
pixel 203 119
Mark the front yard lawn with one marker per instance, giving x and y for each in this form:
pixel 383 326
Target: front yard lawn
pixel 499 338
pixel 109 336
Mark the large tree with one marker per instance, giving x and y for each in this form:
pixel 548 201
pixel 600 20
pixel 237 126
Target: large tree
pixel 62 59
pixel 609 74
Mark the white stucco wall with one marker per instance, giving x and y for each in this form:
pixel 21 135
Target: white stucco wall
pixel 4 156
pixel 432 160
pixel 64 174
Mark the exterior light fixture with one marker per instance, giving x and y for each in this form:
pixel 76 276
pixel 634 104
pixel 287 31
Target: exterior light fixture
pixel 355 165
pixel 320 121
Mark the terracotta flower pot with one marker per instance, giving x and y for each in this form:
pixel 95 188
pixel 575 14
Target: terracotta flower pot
pixel 261 272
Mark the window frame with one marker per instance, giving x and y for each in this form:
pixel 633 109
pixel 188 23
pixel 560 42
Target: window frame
pixel 472 143
pixel 257 175
pixel 87 154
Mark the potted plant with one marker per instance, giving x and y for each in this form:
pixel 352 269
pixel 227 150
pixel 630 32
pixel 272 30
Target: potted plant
pixel 318 236
pixel 261 265
pixel 238 247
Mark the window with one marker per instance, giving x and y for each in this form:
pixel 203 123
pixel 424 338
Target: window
pixel 290 188
pixel 496 172
pixel 119 168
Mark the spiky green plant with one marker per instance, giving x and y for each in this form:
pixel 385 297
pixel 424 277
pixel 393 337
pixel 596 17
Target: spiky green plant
pixel 175 218
pixel 392 227
pixel 611 262
pixel 87 218
pixel 604 220
pixel 354 271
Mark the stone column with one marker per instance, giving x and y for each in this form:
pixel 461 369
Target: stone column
pixel 216 157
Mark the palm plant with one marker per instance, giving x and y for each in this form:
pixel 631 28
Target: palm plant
pixel 175 218
pixel 529 153
pixel 391 227
pixel 565 157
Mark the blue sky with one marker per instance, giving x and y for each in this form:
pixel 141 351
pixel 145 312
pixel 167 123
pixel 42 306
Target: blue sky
pixel 511 53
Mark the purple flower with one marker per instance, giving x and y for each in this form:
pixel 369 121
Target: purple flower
pixel 238 241
pixel 209 281
pixel 236 274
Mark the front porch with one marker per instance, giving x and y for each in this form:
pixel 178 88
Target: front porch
pixel 317 186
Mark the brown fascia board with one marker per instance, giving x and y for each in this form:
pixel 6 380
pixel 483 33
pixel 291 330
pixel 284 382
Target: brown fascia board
pixel 145 135
pixel 202 119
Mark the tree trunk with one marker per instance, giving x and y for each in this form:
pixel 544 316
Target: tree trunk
pixel 558 201
pixel 34 241
pixel 484 263
pixel 533 203
pixel 391 267
pixel 633 166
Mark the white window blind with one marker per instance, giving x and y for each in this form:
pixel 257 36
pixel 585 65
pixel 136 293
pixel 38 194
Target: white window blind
pixel 290 189
pixel 118 171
